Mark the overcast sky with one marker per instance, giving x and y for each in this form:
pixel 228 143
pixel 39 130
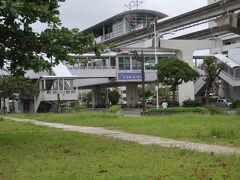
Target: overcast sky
pixel 84 13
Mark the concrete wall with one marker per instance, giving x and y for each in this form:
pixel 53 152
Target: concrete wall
pixel 234 92
pixel 96 97
pixel 234 54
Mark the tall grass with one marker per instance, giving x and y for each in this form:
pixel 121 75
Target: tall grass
pixel 36 152
pixel 220 129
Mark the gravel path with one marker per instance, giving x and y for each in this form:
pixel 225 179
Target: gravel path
pixel 141 139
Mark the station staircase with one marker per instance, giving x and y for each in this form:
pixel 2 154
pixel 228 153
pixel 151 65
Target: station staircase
pixel 224 75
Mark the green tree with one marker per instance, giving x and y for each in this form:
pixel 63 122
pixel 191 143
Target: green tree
pixel 20 46
pixel 114 96
pixel 173 72
pixel 212 69
pixel 164 92
pixel 149 93
pixel 14 87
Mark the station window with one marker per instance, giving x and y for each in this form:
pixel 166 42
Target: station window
pixel 124 63
pixel 149 63
pixel 237 73
pixel 113 62
pixel 136 65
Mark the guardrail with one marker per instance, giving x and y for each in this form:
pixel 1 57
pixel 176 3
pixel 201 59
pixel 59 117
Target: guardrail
pixel 92 68
pixel 59 92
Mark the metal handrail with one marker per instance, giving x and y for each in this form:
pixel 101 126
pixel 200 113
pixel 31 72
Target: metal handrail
pixel 233 78
pixel 92 68
pixel 59 92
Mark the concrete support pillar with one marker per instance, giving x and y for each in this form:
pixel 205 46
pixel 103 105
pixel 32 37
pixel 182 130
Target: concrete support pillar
pixel 131 64
pixel 186 90
pixel 185 49
pixel 6 105
pixel 16 106
pixel 96 97
pixel 44 84
pixel 132 95
pixel 221 90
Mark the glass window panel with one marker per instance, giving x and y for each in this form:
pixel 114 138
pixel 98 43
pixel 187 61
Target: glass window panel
pixel 134 64
pixel 113 62
pixel 120 60
pixel 121 67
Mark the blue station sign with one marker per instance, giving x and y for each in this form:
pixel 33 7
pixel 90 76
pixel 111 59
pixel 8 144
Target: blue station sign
pixel 129 76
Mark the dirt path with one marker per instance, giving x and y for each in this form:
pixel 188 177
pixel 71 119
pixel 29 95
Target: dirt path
pixel 141 139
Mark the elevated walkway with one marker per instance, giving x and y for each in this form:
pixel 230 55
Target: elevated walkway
pixel 85 72
pixel 230 73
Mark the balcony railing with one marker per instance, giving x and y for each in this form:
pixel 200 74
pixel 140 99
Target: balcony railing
pixel 92 68
pixel 49 92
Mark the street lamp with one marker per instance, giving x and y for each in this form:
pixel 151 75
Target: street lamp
pixel 156 61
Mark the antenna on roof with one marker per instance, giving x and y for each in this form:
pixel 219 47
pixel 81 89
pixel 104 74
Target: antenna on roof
pixel 133 3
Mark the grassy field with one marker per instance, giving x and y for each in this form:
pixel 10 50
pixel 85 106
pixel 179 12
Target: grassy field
pixel 198 128
pixel 33 152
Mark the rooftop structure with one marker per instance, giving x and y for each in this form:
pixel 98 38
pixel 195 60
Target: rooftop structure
pixel 124 23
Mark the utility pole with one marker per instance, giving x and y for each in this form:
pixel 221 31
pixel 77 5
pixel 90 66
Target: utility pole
pixel 143 81
pixel 141 59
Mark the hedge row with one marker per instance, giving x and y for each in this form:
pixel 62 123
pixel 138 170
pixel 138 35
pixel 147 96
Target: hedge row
pixel 180 110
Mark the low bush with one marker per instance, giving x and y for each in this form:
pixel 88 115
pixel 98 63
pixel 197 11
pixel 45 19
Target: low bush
pixel 68 109
pixel 214 110
pixel 237 111
pixel 114 109
pixel 180 110
pixel 173 104
pixel 79 107
pixel 236 104
pixel 192 103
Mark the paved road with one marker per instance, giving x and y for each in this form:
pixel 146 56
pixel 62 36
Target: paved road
pixel 141 139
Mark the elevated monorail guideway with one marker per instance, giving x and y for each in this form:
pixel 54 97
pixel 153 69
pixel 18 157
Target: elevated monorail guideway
pixel 203 34
pixel 189 19
pixel 209 33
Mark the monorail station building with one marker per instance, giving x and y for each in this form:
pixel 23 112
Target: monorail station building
pixel 120 67
pixel 133 32
pixel 124 23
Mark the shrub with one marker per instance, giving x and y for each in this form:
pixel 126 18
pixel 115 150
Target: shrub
pixel 192 103
pixel 173 104
pixel 79 107
pixel 237 111
pixel 68 109
pixel 114 109
pixel 236 104
pixel 180 110
pixel 214 110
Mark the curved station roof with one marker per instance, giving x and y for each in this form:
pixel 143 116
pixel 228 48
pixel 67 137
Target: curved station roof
pixel 137 15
